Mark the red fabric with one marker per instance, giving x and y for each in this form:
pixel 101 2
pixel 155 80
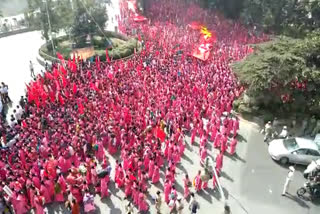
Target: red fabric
pixel 202 52
pixel 74 88
pixel 64 82
pixel 55 73
pixel 80 108
pixel 24 124
pixel 195 25
pixel 63 70
pixel 161 134
pixel 61 100
pixel 107 56
pixel 139 18
pixel 59 56
pixel 132 178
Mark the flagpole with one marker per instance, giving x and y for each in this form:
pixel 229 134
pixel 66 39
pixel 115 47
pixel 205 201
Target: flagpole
pixel 53 50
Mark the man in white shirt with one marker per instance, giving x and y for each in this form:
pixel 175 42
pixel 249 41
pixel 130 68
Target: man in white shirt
pixel 31 70
pixel 288 180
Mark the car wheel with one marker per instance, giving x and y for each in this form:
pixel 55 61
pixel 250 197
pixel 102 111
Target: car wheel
pixel 284 160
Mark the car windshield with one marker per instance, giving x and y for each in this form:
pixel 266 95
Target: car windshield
pixel 290 144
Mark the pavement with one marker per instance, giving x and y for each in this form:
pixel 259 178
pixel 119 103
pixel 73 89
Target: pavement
pixel 255 182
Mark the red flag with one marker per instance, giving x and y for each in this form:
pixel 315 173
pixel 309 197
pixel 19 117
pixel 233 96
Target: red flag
pixel 132 177
pixel 80 108
pixel 24 124
pixel 48 75
pixel 93 86
pixel 64 81
pixel 52 98
pixel 57 85
pixel 59 56
pixel 61 99
pixel 161 134
pixel 74 88
pixel 107 56
pixel 56 73
pixel 63 70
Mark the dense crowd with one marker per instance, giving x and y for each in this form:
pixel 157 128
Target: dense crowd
pixel 141 107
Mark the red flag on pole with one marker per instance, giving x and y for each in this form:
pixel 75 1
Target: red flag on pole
pixel 59 56
pixel 161 134
pixel 74 88
pixel 61 99
pixel 63 70
pixel 80 108
pixel 107 56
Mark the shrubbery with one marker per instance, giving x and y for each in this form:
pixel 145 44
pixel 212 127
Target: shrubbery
pixel 121 47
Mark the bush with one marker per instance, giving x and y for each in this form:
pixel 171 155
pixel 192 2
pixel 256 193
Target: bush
pixel 122 46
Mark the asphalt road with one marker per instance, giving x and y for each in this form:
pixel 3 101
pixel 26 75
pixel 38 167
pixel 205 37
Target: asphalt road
pixel 255 182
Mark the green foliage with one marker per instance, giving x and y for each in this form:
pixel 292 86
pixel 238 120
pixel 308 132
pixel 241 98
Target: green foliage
pixel 90 18
pixel 271 71
pixel 120 48
pixel 292 17
pixel 76 18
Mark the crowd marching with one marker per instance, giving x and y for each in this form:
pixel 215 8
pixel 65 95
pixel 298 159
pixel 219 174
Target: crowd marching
pixel 141 108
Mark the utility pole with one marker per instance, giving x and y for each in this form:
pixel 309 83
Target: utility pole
pixel 50 31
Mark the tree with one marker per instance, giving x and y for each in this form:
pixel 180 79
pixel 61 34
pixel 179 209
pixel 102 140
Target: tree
pixel 283 74
pixel 90 18
pixel 39 13
pixel 292 17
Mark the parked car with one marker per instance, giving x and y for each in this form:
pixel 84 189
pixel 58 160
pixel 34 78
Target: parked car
pixel 294 150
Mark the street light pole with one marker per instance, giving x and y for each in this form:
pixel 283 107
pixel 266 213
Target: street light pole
pixel 53 50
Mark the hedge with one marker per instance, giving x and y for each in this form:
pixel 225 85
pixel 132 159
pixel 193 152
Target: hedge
pixel 122 47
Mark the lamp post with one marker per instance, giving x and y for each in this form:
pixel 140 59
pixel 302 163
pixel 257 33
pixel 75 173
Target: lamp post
pixel 49 22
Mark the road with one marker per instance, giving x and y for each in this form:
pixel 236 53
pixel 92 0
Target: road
pixel 254 181
pixel 16 52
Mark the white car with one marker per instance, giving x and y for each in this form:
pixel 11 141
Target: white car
pixel 294 150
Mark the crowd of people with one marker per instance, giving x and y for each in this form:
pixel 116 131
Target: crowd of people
pixel 141 108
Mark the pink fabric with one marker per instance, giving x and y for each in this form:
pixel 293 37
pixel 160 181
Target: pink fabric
pixel 156 175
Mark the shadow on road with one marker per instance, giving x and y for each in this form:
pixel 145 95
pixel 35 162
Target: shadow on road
pixel 226 176
pixel 241 139
pixel 205 195
pixel 298 200
pixel 235 157
pixel 187 158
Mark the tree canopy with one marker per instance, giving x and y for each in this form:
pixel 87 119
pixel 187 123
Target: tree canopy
pixel 76 18
pixel 284 72
pixel 292 17
pixel 89 19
